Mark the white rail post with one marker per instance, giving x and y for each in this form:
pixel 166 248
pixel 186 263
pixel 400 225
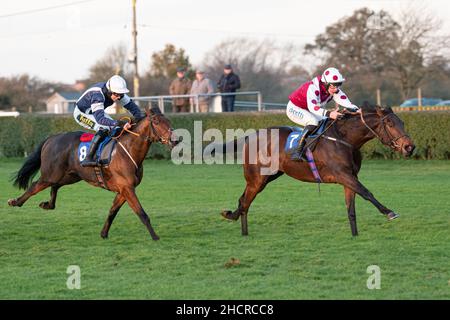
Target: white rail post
pixel 259 97
pixel 197 109
pixel 161 104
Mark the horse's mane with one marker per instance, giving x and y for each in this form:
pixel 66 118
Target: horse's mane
pixel 152 111
pixel 352 117
pixel 367 109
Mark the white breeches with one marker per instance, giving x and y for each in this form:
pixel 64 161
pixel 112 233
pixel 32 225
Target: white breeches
pixel 301 116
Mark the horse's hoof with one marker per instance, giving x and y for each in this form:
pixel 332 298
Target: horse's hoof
pixel 104 235
pixel 392 215
pixel 228 215
pixel 12 202
pixel 155 237
pixel 46 206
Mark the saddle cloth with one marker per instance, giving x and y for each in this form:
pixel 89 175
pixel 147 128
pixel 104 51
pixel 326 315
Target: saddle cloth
pixel 294 137
pixel 104 150
pixel 293 140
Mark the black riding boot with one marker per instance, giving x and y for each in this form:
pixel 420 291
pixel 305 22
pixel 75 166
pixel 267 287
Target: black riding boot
pixel 297 155
pixel 89 160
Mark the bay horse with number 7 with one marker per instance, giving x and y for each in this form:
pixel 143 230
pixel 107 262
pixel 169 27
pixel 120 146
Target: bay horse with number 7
pixel 337 158
pixel 58 161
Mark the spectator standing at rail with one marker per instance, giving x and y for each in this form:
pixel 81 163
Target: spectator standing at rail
pixel 179 86
pixel 202 85
pixel 228 82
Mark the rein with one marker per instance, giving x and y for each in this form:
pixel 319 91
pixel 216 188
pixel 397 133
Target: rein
pixel 328 137
pixel 322 134
pixel 392 143
pixel 147 138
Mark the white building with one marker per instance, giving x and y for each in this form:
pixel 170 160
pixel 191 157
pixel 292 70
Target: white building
pixel 62 102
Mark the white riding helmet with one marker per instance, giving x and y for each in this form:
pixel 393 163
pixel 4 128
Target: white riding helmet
pixel 332 75
pixel 117 84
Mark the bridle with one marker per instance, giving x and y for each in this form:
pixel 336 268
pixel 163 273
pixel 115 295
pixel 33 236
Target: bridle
pixel 390 141
pixel 153 132
pixel 150 137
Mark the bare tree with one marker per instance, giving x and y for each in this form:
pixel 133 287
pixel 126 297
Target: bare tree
pixel 262 66
pixel 113 62
pixel 23 91
pixel 376 51
pixel 418 49
pixel 359 46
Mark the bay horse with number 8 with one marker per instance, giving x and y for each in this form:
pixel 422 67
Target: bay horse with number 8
pixel 58 161
pixel 338 159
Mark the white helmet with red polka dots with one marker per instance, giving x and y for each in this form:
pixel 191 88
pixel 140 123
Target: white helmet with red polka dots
pixel 332 75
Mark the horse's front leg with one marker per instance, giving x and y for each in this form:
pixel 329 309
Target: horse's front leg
pixel 350 203
pixel 352 182
pixel 133 202
pixel 119 200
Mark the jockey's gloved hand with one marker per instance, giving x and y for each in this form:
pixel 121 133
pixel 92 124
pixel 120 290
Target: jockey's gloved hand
pixel 335 115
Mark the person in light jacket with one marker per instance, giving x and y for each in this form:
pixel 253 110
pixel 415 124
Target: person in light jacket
pixel 202 85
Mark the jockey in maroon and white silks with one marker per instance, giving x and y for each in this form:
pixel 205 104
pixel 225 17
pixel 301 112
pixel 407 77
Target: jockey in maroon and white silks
pixel 306 104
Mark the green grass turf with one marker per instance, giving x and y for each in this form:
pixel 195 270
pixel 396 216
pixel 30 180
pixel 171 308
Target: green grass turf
pixel 299 244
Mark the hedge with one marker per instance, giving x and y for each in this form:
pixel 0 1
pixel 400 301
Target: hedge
pixel 429 130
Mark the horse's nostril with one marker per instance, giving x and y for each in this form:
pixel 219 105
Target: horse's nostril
pixel 410 148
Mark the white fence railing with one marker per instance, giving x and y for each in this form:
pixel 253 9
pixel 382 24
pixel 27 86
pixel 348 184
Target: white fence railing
pixel 245 101
pixel 215 103
pixel 253 102
pixel 9 114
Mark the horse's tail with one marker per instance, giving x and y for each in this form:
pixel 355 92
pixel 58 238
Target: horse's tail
pixel 22 179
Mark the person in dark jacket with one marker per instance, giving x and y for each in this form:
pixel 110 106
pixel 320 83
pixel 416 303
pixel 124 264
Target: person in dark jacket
pixel 228 82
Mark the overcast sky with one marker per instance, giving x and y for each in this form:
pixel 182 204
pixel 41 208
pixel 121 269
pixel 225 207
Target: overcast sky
pixel 58 40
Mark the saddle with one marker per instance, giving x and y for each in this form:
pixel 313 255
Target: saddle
pixel 311 142
pixel 104 150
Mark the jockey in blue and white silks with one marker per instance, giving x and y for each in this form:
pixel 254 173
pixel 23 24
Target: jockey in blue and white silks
pixel 90 113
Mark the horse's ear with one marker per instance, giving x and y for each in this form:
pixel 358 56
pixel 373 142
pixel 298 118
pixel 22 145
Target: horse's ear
pixel 147 111
pixel 389 109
